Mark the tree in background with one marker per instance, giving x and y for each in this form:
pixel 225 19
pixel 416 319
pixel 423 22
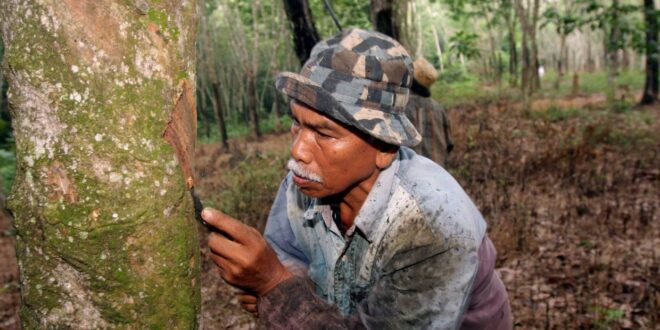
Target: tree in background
pixel 566 20
pixel 528 15
pixel 615 21
pixel 651 17
pixel 464 46
pixel 508 14
pixel 396 19
pixel 492 13
pixel 106 233
pixel 304 31
pixel 241 45
pixel 207 60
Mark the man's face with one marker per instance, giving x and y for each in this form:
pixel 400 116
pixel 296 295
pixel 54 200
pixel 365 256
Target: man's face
pixel 327 157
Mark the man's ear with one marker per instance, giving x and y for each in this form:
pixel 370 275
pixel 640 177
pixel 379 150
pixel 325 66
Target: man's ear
pixel 385 156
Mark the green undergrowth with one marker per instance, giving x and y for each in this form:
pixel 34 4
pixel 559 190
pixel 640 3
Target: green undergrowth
pixel 250 185
pixel 237 128
pixel 557 113
pixel 471 89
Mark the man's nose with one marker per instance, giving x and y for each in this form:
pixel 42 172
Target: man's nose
pixel 300 148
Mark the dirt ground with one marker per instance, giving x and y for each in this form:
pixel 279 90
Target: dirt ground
pixel 571 199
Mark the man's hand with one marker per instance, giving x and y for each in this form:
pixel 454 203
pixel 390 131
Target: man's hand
pixel 248 301
pixel 244 257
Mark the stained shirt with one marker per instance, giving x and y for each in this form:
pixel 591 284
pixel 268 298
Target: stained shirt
pixel 409 260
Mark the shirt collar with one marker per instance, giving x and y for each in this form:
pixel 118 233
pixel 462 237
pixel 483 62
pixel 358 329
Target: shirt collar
pixel 371 212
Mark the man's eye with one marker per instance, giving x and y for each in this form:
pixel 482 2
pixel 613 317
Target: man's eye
pixel 322 135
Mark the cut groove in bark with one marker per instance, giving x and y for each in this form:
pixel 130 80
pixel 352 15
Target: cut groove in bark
pixel 181 131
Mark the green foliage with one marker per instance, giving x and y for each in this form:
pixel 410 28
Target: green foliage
pixel 7 169
pixel 607 316
pixel 350 13
pixel 616 20
pixel 464 43
pixel 565 23
pixel 453 74
pixel 556 113
pixel 591 83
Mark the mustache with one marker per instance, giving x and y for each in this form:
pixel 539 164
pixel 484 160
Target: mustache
pixel 302 172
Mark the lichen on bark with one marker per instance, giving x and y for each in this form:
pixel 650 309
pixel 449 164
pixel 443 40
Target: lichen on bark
pixel 106 234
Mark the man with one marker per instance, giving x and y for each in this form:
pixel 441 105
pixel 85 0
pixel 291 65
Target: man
pixel 363 232
pixel 428 116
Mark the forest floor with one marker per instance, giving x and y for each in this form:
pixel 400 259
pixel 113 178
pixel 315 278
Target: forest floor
pixel 570 192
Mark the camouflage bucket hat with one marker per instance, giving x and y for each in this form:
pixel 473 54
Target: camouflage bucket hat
pixel 360 78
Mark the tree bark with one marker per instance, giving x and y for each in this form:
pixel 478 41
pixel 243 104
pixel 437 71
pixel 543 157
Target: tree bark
pixel 252 73
pixel 528 16
pixel 304 31
pixel 650 94
pixel 383 18
pixel 510 18
pixel 209 52
pixel 438 48
pixel 612 56
pixel 561 64
pixel 222 125
pixel 390 18
pixel 106 232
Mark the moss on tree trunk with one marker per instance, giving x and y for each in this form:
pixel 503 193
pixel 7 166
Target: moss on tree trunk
pixel 106 233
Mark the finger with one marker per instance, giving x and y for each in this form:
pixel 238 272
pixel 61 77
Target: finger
pixel 223 246
pixel 222 263
pixel 247 299
pixel 252 308
pixel 234 228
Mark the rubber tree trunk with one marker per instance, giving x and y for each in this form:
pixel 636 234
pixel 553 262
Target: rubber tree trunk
pixel 650 94
pixel 305 35
pixel 612 47
pixel 392 18
pixel 106 231
pixel 217 94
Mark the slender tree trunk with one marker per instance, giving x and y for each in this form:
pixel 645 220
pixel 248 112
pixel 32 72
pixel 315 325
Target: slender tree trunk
pixel 492 59
pixel 513 51
pixel 560 63
pixel 383 18
pixel 438 48
pixel 528 17
pixel 252 104
pixel 209 52
pixel 612 53
pixel 650 94
pixel 276 110
pixel 2 90
pixel 304 31
pixel 222 125
pixel 536 80
pixel 252 73
pixel 394 18
pixel 106 233
pixel 575 87
pixel 590 59
pixel 202 98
